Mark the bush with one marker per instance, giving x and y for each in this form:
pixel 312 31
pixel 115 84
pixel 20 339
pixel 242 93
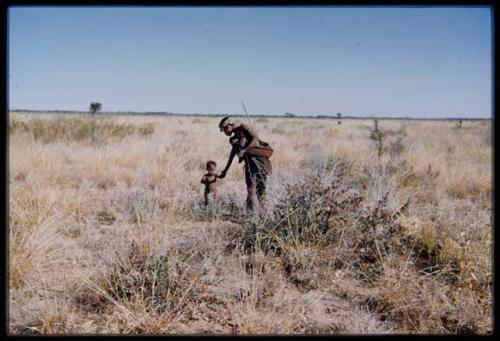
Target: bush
pixel 331 214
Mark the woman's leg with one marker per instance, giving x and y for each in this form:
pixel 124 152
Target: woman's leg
pixel 262 169
pixel 251 181
pixel 261 185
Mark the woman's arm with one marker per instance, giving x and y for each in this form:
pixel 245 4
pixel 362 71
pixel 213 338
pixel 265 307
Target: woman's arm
pixel 229 161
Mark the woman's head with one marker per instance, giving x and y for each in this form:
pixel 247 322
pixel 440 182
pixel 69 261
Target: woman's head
pixel 227 125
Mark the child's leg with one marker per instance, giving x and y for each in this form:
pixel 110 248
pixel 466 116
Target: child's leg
pixel 206 198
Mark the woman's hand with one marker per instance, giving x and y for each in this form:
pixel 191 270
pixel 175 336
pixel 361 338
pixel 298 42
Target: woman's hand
pixel 222 175
pixel 241 153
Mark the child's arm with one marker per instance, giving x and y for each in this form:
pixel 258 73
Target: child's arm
pixel 204 179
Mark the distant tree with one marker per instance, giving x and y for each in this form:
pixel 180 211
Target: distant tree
pixel 95 107
pixel 339 116
pixel 289 114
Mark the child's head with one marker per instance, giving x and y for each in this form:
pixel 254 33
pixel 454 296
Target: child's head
pixel 211 165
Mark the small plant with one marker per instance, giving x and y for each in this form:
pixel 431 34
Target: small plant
pixel 141 206
pixel 397 147
pixel 155 279
pixel 378 137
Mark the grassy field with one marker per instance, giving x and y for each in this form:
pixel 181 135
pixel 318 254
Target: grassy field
pixel 365 232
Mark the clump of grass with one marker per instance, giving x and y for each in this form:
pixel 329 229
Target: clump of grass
pixel 277 131
pixel 145 130
pixel 420 301
pixel 35 249
pixel 141 206
pixel 319 160
pixel 456 247
pixel 378 235
pixel 485 138
pixel 227 207
pixel 157 279
pixel 105 217
pixel 413 302
pixel 148 276
pixel 56 319
pixel 397 147
pixel 77 129
pixel 18 125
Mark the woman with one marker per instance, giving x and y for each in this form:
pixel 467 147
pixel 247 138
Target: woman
pixel 247 146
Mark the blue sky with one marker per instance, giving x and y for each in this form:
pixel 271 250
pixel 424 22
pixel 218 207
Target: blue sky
pixel 399 61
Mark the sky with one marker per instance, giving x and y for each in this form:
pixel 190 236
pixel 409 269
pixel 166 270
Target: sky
pixel 422 62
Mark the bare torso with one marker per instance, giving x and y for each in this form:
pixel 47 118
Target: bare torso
pixel 210 183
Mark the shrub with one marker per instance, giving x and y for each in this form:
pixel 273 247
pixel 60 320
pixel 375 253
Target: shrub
pixel 377 136
pixel 159 280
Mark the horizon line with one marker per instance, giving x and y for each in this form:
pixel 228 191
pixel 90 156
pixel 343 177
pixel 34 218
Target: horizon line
pixel 284 115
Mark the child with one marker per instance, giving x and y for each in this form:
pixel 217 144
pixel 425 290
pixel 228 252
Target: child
pixel 209 180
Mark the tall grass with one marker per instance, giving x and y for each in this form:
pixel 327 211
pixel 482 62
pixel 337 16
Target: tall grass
pixel 76 129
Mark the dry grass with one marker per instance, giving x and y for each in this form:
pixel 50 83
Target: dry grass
pixel 360 235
